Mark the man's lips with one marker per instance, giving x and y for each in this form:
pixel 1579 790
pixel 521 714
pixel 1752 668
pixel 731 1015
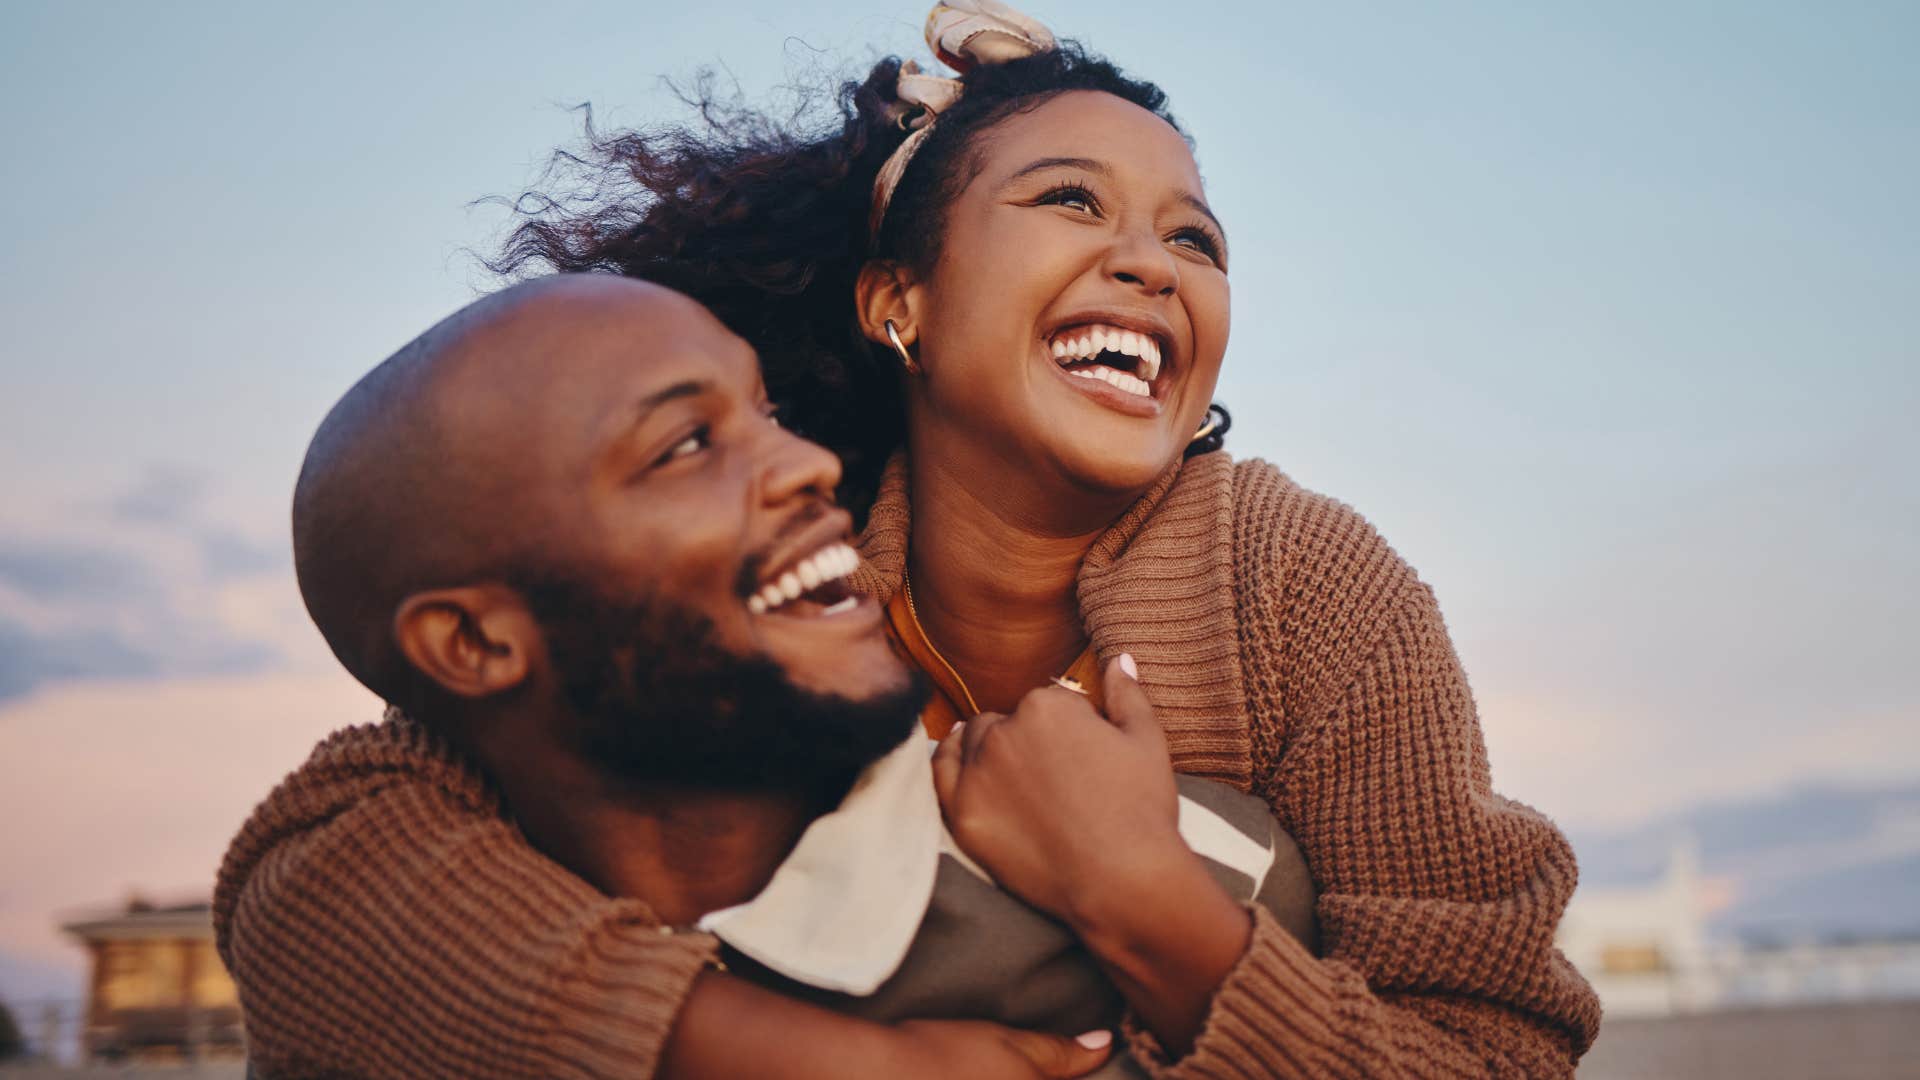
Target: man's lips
pixel 816 581
pixel 808 573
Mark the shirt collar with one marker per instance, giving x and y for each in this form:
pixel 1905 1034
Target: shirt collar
pixel 843 908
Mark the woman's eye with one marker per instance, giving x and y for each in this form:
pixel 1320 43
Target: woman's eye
pixel 1198 240
pixel 1072 196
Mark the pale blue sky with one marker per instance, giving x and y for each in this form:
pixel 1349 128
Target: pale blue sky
pixel 1608 315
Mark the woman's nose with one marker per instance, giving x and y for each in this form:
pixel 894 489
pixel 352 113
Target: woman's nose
pixel 1140 260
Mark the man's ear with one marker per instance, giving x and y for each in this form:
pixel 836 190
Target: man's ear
pixel 474 641
pixel 887 290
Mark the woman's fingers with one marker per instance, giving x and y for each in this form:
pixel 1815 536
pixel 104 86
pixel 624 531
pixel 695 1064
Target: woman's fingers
pixel 972 731
pixel 956 751
pixel 1127 706
pixel 947 765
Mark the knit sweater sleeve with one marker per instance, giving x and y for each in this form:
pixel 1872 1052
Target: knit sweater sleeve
pixel 383 919
pixel 1438 898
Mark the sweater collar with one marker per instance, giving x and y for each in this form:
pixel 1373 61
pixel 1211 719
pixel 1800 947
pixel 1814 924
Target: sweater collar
pixel 1159 584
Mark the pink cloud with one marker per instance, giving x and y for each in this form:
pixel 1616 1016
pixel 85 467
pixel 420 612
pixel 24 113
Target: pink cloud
pixel 110 787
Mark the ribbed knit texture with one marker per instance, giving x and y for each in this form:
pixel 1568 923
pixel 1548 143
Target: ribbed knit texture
pixel 1289 651
pixel 382 919
pixel 379 912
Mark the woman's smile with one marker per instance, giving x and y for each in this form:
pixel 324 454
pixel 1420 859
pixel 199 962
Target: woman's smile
pixel 1116 358
pixel 1082 243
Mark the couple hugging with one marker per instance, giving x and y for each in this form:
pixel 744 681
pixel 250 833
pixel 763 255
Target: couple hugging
pixel 1067 725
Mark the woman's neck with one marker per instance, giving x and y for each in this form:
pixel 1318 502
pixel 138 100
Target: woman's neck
pixel 993 580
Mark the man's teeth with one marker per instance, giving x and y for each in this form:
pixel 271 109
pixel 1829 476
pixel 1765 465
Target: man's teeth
pixel 1088 342
pixel 830 563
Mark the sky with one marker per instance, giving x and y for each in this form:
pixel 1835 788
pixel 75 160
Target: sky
pixel 1607 315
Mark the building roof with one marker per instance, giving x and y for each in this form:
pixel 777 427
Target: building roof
pixel 140 919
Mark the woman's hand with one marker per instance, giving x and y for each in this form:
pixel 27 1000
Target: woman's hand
pixel 1078 815
pixel 978 1050
pixel 1058 802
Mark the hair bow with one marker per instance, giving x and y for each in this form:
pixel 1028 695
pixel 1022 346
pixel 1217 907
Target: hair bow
pixel 962 34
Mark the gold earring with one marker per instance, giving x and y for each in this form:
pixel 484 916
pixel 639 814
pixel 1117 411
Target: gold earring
pixel 900 347
pixel 1208 427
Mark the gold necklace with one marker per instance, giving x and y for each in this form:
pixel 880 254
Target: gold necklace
pixel 913 612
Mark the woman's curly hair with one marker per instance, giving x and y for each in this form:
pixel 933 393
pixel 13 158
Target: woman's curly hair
pixel 766 224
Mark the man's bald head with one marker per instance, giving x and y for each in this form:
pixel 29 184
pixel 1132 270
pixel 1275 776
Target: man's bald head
pixel 438 468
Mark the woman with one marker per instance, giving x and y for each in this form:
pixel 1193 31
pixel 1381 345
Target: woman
pixel 1005 305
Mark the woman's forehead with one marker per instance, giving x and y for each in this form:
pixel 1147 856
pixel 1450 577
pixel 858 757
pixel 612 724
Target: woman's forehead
pixel 1084 126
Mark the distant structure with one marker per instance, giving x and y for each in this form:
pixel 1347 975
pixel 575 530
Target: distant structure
pixel 158 992
pixel 1647 952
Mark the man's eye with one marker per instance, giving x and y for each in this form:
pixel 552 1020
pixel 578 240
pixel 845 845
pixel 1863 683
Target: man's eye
pixel 692 444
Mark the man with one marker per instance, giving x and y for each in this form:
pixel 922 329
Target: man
pixel 563 533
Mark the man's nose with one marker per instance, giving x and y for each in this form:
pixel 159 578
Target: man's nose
pixel 793 466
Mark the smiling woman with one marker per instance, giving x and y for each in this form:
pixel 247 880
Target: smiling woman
pixel 773 231
pixel 1003 302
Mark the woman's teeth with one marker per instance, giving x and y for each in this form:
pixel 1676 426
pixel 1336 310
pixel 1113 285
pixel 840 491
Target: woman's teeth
pixel 1088 342
pixel 1119 380
pixel 830 563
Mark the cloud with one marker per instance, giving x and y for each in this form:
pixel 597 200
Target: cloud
pixel 109 787
pixel 164 494
pixel 1749 634
pixel 28 659
pixel 145 584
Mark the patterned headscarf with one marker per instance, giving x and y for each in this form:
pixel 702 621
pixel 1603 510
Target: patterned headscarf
pixel 962 34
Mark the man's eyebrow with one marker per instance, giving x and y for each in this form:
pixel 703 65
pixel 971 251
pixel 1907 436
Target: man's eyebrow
pixel 685 388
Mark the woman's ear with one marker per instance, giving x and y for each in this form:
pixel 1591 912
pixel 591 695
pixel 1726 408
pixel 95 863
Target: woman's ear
pixel 475 641
pixel 886 290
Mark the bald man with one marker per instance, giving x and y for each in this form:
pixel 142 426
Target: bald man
pixel 546 529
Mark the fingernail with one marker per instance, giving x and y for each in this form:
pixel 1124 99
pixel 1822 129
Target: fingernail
pixel 957 728
pixel 1094 1040
pixel 1127 665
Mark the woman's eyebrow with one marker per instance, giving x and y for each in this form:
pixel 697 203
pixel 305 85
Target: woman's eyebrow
pixel 1089 164
pixel 1101 168
pixel 1199 204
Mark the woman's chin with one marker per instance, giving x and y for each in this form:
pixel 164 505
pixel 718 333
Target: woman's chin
pixel 1113 467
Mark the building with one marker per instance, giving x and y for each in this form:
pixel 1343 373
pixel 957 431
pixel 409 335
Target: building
pixel 158 991
pixel 1648 951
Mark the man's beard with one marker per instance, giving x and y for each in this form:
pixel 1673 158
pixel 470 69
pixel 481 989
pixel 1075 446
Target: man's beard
pixel 661 703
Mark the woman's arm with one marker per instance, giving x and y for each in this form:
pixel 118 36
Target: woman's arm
pixel 1078 814
pixel 730 1028
pixel 1439 899
pixel 382 919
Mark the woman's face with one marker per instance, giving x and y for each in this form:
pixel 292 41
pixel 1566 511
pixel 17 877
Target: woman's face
pixel 1076 317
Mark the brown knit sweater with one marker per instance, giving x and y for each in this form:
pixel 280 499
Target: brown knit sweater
pixel 380 912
